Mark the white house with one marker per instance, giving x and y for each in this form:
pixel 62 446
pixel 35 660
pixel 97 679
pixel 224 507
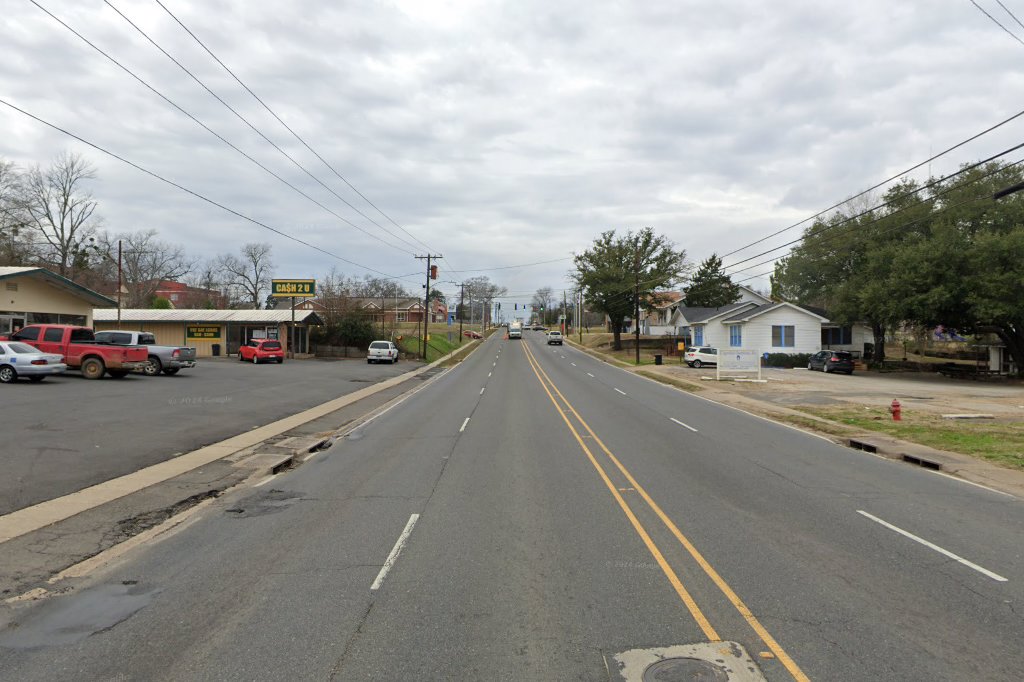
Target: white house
pixel 766 328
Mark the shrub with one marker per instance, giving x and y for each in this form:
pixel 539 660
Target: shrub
pixel 787 360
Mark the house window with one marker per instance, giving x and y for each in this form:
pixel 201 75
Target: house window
pixel 698 335
pixel 401 316
pixel 837 336
pixel 783 336
pixel 736 336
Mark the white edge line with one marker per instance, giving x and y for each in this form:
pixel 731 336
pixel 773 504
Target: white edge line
pixel 463 427
pixel 976 485
pixel 395 551
pixel 265 481
pixel 398 401
pixel 620 391
pixel 682 424
pixel 940 550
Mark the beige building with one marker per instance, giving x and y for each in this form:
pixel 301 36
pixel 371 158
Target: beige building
pixel 37 296
pixel 213 332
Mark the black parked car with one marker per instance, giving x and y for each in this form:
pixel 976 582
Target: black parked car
pixel 832 361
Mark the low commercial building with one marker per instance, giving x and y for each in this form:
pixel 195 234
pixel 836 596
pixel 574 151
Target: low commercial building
pixel 30 295
pixel 214 332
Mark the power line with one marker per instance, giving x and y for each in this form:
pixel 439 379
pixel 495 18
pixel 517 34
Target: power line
pixel 251 126
pixel 513 267
pixel 880 184
pixel 963 170
pixel 214 133
pixel 286 126
pixel 996 21
pixel 194 193
pixel 1012 15
pixel 900 225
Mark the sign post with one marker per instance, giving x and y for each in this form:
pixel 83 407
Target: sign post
pixel 292 288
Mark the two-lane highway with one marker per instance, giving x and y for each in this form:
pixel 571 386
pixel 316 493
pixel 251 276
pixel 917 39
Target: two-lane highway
pixel 534 514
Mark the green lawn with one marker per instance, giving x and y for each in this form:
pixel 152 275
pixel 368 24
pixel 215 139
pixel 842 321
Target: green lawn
pixel 996 440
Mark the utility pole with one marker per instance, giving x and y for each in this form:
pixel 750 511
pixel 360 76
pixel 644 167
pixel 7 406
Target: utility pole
pixel 565 315
pixel 579 307
pixel 636 294
pixel 462 308
pixel 426 308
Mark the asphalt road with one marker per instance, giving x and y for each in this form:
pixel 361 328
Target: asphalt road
pixel 553 512
pixel 67 433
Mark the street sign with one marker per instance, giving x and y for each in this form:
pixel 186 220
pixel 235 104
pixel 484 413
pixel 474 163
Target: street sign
pixel 299 288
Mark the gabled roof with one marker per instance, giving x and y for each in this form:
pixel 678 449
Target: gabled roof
pixel 62 283
pixel 747 315
pixel 202 315
pixel 703 315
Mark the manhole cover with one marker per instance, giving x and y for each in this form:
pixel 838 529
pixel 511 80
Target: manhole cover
pixel 684 670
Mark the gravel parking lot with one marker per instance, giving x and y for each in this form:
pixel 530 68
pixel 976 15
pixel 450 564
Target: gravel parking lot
pixel 923 391
pixel 67 433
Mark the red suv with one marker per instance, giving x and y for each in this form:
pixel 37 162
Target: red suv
pixel 258 350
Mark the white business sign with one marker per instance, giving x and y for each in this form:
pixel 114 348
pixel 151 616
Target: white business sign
pixel 734 360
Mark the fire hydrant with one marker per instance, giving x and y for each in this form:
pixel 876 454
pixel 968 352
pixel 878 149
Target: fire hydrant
pixel 894 409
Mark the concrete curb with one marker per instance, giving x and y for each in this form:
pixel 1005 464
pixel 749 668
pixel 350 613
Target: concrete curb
pixel 40 515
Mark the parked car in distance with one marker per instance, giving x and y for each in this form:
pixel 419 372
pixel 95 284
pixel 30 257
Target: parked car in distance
pixel 261 350
pixel 22 360
pixel 472 334
pixel 166 359
pixel 832 361
pixel 382 351
pixel 81 351
pixel 699 356
pixel 554 337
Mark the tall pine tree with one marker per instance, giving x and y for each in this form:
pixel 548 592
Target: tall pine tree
pixel 710 287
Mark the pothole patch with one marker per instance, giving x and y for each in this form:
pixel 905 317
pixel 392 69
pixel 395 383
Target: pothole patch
pixel 705 662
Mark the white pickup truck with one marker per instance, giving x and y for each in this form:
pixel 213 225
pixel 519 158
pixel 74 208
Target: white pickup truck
pixel 166 359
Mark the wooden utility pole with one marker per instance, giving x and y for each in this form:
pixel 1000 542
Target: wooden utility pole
pixel 426 301
pixel 636 318
pixel 462 308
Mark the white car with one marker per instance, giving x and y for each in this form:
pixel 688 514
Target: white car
pixel 382 351
pixel 22 360
pixel 699 356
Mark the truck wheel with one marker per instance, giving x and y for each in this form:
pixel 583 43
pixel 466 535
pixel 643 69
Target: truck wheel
pixel 117 373
pixel 171 371
pixel 153 366
pixel 7 374
pixel 92 368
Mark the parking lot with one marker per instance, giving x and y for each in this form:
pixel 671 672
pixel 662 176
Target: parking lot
pixel 67 433
pixel 924 391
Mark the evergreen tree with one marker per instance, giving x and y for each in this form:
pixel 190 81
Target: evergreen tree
pixel 710 286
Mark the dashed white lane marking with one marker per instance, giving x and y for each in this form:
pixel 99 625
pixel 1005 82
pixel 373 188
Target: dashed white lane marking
pixel 489 374
pixel 494 364
pixel 482 390
pixel 573 364
pixel 589 374
pixel 395 551
pixel 621 391
pixel 940 550
pixel 682 424
pixel 463 427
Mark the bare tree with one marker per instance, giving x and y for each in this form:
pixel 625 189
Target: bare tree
pixel 206 279
pixel 544 301
pixel 60 208
pixel 145 262
pixel 15 246
pixel 249 273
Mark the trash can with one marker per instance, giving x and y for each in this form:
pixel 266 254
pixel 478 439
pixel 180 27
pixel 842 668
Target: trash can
pixel 216 350
pixel 657 359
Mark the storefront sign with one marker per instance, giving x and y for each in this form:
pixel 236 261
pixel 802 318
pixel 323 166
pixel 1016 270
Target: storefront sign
pixel 202 332
pixel 299 288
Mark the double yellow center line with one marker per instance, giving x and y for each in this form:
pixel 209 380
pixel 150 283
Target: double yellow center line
pixel 577 426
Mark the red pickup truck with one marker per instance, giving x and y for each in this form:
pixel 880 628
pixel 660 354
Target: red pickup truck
pixel 81 351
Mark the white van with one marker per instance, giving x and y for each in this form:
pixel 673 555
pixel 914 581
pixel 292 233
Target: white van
pixel 515 330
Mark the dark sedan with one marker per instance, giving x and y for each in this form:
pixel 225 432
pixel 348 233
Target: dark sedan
pixel 832 361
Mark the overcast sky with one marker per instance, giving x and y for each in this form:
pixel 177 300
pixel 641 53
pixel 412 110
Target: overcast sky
pixel 505 133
